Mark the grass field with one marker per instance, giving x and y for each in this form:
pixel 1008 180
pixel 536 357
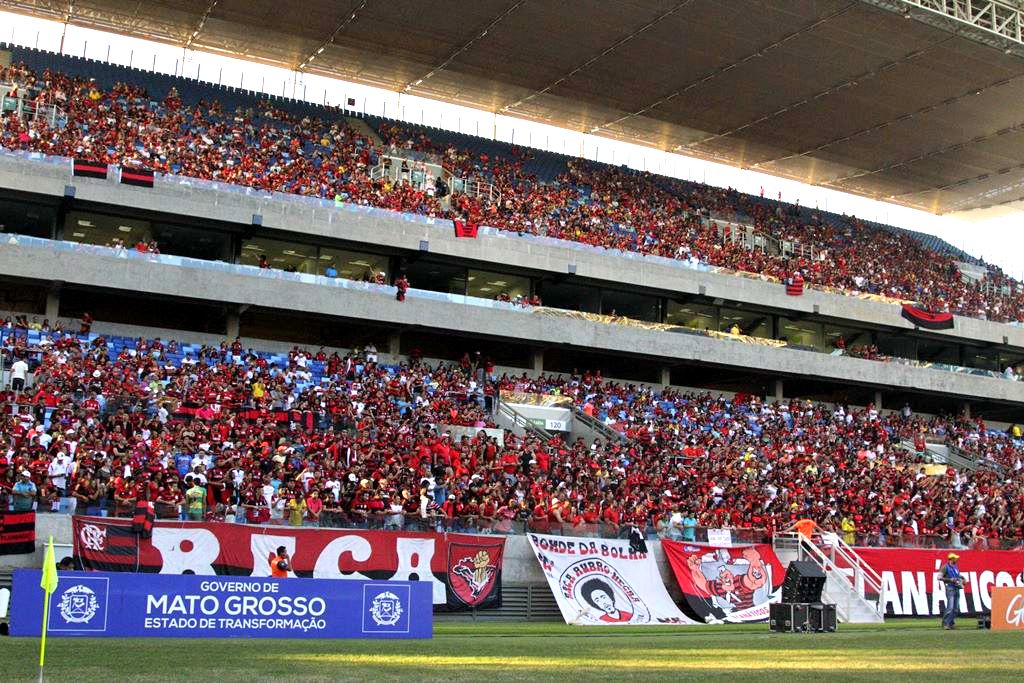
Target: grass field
pixel 897 651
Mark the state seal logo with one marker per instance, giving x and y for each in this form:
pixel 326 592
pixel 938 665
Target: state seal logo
pixel 386 609
pixel 78 605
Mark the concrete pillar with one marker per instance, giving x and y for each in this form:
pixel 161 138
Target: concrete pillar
pixel 878 399
pixel 965 409
pixel 52 305
pixel 666 375
pixel 538 361
pixel 778 390
pixel 395 344
pixel 233 325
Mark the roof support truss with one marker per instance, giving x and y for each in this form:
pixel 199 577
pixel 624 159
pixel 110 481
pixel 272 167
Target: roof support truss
pixel 202 22
pixel 999 23
pixel 330 39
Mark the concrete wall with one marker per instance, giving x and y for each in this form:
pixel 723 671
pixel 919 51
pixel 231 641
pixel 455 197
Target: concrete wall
pixel 520 564
pixel 394 230
pixel 262 288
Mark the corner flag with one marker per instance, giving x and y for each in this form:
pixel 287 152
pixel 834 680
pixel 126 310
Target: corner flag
pixel 49 584
pixel 49 581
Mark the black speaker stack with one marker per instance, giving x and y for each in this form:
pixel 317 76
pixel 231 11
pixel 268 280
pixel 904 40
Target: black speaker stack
pixel 801 609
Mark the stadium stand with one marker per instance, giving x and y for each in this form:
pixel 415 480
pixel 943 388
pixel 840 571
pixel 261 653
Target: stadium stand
pixel 343 439
pixel 183 127
pixel 311 438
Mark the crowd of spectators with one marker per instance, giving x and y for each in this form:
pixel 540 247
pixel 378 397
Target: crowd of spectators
pixel 265 147
pixel 343 439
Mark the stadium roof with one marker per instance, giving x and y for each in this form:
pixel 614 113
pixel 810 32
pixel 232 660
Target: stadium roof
pixel 842 93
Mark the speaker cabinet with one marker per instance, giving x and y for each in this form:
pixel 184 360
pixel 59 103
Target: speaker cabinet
pixel 822 618
pixel 803 583
pixel 788 617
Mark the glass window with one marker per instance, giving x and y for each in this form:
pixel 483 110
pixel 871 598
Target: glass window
pixel 436 277
pixel 1011 359
pixel 851 336
pixel 352 265
pixel 899 346
pixel 696 316
pixel 22 218
pixel 93 228
pixel 201 243
pixel 932 352
pixel 750 323
pixel 802 332
pixel 291 256
pixel 635 306
pixel 570 297
pixel 984 359
pixel 489 285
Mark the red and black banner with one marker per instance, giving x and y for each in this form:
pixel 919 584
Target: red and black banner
pixel 927 319
pixel 466 229
pixel 90 169
pixel 145 517
pixel 910 578
pixel 106 545
pixel 734 584
pixel 17 533
pixel 464 570
pixel 795 286
pixel 141 177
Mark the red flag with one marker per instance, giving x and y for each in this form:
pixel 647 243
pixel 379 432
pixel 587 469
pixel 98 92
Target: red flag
pixel 465 229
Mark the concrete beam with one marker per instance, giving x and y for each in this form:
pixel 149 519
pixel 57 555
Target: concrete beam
pixel 269 289
pixel 376 228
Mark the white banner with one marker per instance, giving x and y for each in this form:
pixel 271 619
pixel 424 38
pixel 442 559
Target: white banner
pixel 601 582
pixel 719 537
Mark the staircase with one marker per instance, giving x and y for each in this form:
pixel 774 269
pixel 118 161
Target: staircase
pixel 591 428
pixel 850 583
pixel 956 458
pixel 507 417
pixel 363 128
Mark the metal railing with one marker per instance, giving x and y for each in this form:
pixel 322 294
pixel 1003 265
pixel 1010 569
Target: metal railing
pixel 963 455
pixel 520 420
pixel 422 175
pixel 754 240
pixel 839 562
pixel 343 519
pixel 26 108
pixel 598 426
pixel 475 188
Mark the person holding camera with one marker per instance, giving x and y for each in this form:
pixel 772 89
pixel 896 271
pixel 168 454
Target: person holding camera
pixel 279 563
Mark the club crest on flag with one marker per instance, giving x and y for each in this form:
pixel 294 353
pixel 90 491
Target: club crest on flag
pixel 473 571
pixel 93 537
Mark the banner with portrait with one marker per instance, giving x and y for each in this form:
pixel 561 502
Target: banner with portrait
pixel 734 584
pixel 604 582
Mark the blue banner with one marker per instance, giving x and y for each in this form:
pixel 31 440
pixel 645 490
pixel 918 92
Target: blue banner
pixel 187 606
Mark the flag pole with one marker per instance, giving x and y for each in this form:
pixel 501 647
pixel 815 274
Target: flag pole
pixel 48 583
pixel 42 642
